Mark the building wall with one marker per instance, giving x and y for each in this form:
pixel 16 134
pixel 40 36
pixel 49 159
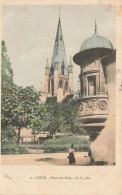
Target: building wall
pixel 103 148
pixel 59 90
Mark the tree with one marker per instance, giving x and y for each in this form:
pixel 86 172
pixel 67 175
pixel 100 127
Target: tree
pixel 63 118
pixel 18 103
pixel 70 115
pixel 7 87
pixel 40 119
pixel 55 123
pixel 24 106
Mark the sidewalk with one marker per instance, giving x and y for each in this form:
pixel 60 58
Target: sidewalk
pixel 59 159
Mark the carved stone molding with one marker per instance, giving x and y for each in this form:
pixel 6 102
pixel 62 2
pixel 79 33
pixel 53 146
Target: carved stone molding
pixel 102 105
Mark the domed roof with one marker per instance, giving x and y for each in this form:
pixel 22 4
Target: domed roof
pixel 93 48
pixel 96 41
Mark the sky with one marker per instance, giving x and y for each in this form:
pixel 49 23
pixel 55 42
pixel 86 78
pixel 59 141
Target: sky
pixel 30 30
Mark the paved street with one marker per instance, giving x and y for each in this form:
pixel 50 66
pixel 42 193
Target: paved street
pixel 58 159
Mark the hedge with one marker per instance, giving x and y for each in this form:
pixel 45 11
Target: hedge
pixel 13 149
pixel 62 144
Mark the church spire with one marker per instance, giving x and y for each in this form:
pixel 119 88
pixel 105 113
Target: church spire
pixel 59 50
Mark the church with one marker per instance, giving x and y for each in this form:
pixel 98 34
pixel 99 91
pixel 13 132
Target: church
pixel 58 73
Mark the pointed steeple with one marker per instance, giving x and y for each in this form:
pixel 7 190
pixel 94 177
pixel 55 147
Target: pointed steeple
pixel 59 51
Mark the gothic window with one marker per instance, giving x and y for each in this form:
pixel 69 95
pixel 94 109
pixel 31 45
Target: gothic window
pixel 60 83
pixel 66 86
pixel 62 68
pixel 91 85
pixel 49 86
pixel 61 38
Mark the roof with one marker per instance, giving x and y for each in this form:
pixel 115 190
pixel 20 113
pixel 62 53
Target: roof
pixel 59 54
pixel 93 48
pixel 96 41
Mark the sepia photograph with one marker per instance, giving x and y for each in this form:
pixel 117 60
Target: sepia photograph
pixel 61 84
pixel 58 89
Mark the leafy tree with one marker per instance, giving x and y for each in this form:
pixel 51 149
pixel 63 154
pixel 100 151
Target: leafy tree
pixel 56 119
pixel 7 86
pixel 63 118
pixel 6 70
pixel 24 104
pixel 71 123
pixel 40 119
pixel 18 103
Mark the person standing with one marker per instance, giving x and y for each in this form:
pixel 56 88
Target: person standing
pixel 71 155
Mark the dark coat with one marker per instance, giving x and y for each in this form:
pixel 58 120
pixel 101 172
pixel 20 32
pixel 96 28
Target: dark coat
pixel 71 158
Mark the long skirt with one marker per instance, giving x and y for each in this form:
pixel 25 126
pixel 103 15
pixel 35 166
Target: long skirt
pixel 71 158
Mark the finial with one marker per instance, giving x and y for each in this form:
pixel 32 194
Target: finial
pixel 95 26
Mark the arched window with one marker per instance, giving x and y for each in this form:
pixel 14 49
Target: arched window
pixel 60 83
pixel 66 85
pixel 91 85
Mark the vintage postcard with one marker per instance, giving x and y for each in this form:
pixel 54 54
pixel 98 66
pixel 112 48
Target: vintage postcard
pixel 61 98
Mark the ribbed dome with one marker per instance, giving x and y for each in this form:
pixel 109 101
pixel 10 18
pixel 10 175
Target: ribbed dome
pixel 96 42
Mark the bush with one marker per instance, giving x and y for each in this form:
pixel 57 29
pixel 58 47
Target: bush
pixel 8 142
pixel 23 150
pixel 62 144
pixel 9 149
pixel 13 149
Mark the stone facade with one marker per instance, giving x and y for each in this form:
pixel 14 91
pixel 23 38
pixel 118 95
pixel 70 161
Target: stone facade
pixel 97 59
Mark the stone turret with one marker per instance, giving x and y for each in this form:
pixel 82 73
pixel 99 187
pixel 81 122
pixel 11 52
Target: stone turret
pixel 96 113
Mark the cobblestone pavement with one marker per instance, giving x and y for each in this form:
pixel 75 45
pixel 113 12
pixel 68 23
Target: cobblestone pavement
pixel 59 159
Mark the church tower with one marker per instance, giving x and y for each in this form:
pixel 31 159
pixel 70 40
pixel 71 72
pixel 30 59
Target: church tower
pixel 59 75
